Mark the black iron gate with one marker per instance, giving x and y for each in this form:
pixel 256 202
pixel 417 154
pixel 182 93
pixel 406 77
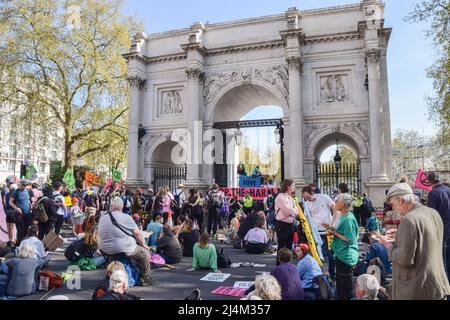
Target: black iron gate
pixel 327 178
pixel 168 176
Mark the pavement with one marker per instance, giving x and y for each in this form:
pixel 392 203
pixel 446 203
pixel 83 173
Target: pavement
pixel 169 284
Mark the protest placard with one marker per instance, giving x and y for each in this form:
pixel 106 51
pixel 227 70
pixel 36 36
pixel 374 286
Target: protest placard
pixel 243 284
pixel 216 277
pixel 230 291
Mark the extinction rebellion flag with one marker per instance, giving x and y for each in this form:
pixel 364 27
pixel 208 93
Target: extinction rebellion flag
pixel 117 175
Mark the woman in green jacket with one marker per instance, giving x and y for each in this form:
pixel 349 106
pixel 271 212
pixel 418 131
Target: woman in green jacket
pixel 205 255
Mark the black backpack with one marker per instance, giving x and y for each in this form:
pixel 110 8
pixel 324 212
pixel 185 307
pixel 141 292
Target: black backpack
pixel 223 261
pixel 39 212
pixel 215 199
pixel 72 252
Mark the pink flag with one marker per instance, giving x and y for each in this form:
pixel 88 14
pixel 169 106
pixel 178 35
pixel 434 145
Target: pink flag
pixel 422 181
pixel 108 184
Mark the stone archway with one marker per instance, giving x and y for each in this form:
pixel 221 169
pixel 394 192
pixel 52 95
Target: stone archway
pixel 354 135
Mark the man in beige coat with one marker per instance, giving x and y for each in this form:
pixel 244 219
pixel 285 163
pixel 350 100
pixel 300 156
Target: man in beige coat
pixel 415 249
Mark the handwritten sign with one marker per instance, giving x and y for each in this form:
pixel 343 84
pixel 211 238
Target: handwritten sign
pixel 243 284
pixel 230 291
pixel 256 193
pixel 216 277
pixel 249 182
pixel 422 181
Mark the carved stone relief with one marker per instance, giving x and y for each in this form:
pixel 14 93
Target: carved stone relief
pixel 171 102
pixel 358 128
pixel 333 88
pixel 276 76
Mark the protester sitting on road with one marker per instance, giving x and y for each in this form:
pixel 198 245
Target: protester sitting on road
pixel 155 228
pixel 23 272
pixel 179 223
pixel 373 224
pixel 308 269
pixel 169 247
pixel 266 288
pixel 247 223
pixel 89 247
pixel 377 250
pixel 188 237
pixel 32 240
pixel 256 239
pixel 287 275
pixel 103 286
pixel 118 286
pixel 367 287
pixel 205 254
pixel 119 234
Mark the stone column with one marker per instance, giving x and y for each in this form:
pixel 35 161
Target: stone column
pixel 136 85
pixel 295 133
pixel 387 113
pixel 194 87
pixel 376 114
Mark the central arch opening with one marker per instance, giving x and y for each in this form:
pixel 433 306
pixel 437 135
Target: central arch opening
pixel 247 109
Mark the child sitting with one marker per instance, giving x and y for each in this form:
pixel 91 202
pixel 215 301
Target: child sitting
pixel 103 286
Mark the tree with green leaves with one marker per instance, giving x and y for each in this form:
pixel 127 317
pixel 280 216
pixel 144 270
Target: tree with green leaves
pixel 438 13
pixel 62 64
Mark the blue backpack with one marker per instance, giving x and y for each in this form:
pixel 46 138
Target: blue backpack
pixel 327 288
pixel 133 274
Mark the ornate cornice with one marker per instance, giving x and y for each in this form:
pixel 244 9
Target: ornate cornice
pixel 194 47
pixel 334 37
pixel 295 63
pixel 362 27
pixel 247 47
pixel 137 82
pixel 195 73
pixel 373 55
pixel 293 33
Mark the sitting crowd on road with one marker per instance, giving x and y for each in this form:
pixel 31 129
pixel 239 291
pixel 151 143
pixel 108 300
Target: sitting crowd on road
pixel 315 260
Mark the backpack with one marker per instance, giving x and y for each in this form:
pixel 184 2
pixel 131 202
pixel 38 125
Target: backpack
pixel 90 200
pixel 39 212
pixel 215 199
pixel 271 203
pixel 177 198
pixel 327 288
pixel 72 252
pixel 223 261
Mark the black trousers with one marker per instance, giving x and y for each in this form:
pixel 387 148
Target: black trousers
pixel 255 248
pixel 344 283
pixel 285 235
pixel 213 220
pixel 59 223
pixel 23 222
pixel 44 228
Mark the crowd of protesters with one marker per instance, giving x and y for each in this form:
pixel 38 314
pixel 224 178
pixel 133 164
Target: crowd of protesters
pixel 184 223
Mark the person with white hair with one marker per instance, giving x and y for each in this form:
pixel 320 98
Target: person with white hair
pixel 23 272
pixel 367 287
pixel 119 234
pixel 344 246
pixel 415 249
pixel 266 288
pixel 118 286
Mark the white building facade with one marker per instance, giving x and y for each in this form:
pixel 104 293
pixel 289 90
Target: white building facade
pixel 325 68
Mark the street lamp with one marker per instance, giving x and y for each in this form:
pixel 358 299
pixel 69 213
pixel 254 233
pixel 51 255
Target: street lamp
pixel 337 159
pixel 277 135
pixel 238 136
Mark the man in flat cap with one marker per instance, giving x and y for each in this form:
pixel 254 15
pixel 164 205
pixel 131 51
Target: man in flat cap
pixel 416 252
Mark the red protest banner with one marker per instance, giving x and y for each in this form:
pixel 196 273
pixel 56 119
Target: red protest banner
pixel 256 193
pixel 89 177
pixel 422 181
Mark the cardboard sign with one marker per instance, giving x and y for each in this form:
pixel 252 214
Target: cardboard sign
pixel 216 277
pixel 44 283
pixel 243 284
pixel 249 182
pixel 52 241
pixel 256 193
pixel 230 291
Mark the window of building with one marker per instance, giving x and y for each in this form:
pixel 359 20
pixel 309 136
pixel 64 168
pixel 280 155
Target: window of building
pixel 54 155
pixel 42 155
pixel 42 167
pixel 11 165
pixel 12 152
pixel 27 153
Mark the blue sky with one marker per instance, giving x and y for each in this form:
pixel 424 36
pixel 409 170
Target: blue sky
pixel 409 53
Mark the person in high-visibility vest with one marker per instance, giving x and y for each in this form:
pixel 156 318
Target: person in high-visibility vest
pixel 295 197
pixel 248 203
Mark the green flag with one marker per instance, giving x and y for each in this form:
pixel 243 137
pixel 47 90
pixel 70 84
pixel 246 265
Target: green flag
pixel 30 173
pixel 117 175
pixel 69 178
